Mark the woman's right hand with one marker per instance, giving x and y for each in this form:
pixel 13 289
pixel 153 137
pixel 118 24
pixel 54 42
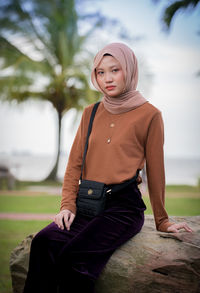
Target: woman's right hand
pixel 64 217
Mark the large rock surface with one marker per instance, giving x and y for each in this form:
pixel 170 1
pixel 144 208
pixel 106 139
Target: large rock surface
pixel 150 262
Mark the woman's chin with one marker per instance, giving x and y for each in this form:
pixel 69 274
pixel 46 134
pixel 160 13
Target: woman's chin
pixel 112 94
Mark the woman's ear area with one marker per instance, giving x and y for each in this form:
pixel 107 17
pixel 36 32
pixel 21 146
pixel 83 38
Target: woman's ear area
pixel 96 77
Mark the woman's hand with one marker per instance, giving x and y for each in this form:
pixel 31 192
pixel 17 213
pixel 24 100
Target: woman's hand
pixel 64 217
pixel 176 227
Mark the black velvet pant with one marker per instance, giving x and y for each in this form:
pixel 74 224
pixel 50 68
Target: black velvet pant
pixel 64 261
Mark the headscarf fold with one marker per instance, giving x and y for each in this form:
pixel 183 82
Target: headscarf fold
pixel 130 98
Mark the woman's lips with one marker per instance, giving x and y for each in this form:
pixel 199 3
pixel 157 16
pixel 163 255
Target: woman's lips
pixel 109 88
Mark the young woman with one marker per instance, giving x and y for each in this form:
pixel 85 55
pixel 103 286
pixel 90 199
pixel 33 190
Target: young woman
pixel 69 254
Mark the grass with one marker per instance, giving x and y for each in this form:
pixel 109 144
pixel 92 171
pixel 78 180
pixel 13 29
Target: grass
pixel 183 188
pixel 179 206
pixel 11 234
pixel 29 204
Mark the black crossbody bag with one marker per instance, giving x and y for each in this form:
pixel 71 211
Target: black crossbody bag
pixel 92 195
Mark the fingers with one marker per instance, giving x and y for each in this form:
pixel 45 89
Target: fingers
pixel 66 218
pixel 59 220
pixel 176 227
pixel 185 226
pixel 172 229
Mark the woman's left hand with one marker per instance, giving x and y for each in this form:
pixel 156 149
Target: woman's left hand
pixel 176 227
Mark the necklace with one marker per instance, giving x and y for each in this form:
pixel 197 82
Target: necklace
pixel 112 124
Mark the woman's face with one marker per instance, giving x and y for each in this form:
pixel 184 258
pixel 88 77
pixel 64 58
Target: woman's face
pixel 110 76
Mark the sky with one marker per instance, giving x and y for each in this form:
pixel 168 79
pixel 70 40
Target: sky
pixel 172 59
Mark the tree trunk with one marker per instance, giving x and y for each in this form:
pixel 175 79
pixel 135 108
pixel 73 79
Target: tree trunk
pixel 53 173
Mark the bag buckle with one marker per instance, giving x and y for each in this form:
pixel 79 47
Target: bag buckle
pixel 109 191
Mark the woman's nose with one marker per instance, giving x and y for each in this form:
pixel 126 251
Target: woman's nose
pixel 108 77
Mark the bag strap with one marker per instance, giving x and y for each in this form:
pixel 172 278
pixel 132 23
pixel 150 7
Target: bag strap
pixel 88 134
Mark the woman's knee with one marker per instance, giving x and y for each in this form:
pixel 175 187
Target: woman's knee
pixel 43 236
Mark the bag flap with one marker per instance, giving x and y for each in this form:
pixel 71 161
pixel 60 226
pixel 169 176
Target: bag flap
pixel 91 189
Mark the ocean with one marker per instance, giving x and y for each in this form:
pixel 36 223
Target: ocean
pixel 37 167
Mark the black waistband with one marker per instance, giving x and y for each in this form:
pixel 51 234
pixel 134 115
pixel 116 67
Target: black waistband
pixel 112 188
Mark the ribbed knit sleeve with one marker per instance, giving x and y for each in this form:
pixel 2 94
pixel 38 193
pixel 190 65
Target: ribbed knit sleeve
pixel 156 172
pixel 73 170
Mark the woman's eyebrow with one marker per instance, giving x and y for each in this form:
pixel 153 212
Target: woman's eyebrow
pixel 98 68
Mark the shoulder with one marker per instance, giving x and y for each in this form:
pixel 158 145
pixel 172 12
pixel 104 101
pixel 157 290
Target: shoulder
pixel 87 114
pixel 88 109
pixel 152 116
pixel 146 114
pixel 151 110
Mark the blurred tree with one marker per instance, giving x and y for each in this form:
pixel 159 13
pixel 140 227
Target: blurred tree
pixel 42 55
pixel 174 7
pixel 177 6
pixel 171 10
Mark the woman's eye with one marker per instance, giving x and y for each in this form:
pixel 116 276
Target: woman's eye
pixel 115 70
pixel 100 72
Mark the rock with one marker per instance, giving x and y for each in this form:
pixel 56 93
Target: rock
pixel 19 260
pixel 150 262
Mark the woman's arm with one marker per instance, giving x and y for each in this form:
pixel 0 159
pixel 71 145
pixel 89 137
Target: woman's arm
pixel 156 175
pixel 72 175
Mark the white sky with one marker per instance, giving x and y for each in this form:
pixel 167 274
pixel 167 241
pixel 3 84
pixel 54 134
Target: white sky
pixel 172 58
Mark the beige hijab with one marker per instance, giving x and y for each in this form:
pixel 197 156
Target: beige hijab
pixel 129 99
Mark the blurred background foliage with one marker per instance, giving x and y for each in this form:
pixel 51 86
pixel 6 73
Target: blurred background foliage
pixel 43 54
pixel 175 7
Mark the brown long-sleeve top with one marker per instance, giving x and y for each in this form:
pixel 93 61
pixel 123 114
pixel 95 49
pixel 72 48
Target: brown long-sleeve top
pixel 119 144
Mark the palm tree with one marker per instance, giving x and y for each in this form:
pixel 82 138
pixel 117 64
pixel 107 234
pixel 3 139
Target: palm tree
pixel 171 10
pixel 40 41
pixel 175 7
